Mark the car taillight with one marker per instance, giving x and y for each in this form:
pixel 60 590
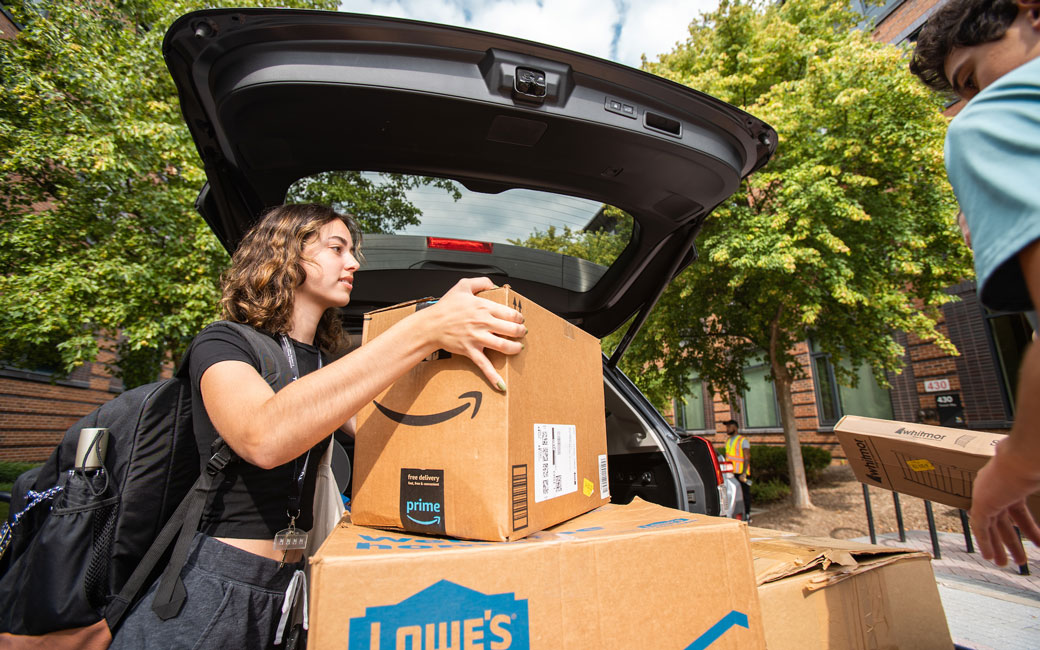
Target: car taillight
pixel 464 245
pixel 714 462
pixel 726 467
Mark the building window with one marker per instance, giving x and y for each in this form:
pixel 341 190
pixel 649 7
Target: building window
pixel 828 409
pixel 833 400
pixel 760 408
pixel 40 360
pixel 690 410
pixel 1011 335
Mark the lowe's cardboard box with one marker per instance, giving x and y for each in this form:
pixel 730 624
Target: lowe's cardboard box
pixel 831 594
pixel 635 576
pixel 934 463
pixel 442 452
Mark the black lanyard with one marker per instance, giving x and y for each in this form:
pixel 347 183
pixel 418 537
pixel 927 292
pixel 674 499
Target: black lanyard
pixel 296 485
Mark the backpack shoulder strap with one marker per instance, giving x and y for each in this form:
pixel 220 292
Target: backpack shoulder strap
pixel 274 366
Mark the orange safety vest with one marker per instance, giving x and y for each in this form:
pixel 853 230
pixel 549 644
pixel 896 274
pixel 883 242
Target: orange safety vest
pixel 735 454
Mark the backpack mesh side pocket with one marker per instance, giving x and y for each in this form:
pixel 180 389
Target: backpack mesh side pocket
pixel 95 581
pixel 46 588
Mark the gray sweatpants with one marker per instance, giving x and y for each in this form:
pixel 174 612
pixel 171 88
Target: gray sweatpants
pixel 234 600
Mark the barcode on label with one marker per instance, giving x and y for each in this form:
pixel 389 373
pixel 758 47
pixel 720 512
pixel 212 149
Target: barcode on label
pixel 519 493
pixel 604 482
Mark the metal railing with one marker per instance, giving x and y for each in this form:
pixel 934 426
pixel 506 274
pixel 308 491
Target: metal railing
pixel 933 533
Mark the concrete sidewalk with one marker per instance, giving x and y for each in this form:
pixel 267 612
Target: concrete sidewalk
pixel 987 607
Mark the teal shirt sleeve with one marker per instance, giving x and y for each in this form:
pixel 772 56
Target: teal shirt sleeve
pixel 993 163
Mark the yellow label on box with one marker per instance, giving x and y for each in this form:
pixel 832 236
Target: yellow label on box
pixel 587 487
pixel 923 465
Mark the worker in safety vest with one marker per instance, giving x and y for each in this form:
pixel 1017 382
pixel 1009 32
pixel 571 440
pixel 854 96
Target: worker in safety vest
pixel 738 452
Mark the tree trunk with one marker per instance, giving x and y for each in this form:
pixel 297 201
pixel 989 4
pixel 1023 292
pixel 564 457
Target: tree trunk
pixel 782 381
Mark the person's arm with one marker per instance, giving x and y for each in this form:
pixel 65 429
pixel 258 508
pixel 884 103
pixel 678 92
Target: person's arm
pixel 1003 484
pixel 268 429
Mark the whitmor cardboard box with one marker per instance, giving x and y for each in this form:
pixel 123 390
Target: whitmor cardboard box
pixel 934 463
pixel 830 594
pixel 442 452
pixel 635 576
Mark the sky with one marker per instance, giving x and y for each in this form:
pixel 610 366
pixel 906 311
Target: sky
pixel 619 30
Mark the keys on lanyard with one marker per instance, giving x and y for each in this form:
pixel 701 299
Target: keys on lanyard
pixel 291 538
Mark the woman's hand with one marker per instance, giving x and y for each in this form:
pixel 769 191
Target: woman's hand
pixel 463 323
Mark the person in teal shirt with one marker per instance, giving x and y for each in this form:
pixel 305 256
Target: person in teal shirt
pixel 988 53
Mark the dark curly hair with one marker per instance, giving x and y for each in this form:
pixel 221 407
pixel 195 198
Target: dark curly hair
pixel 958 23
pixel 268 265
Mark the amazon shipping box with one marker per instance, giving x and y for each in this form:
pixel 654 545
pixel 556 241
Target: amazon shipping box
pixel 635 576
pixel 831 594
pixel 443 452
pixel 934 463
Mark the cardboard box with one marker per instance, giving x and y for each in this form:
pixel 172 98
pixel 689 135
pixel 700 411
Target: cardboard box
pixel 831 594
pixel 635 576
pixel 934 463
pixel 442 452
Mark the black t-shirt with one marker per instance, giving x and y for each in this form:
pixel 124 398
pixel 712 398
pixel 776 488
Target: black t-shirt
pixel 249 502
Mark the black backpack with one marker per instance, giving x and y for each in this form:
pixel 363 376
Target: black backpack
pixel 90 541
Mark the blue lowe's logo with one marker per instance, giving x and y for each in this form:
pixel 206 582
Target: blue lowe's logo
pixel 443 616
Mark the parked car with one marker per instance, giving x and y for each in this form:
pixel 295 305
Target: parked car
pixel 531 137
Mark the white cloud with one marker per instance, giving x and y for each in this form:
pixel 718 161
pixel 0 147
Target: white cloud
pixel 580 25
pixel 621 30
pixel 654 27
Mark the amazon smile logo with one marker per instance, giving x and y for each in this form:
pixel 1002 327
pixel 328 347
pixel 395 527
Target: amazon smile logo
pixel 427 511
pixel 434 418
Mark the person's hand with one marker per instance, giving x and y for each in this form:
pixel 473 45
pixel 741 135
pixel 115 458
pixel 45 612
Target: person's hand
pixel 464 323
pixel 998 504
pixel 742 478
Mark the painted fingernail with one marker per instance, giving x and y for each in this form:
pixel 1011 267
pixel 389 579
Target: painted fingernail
pixel 501 385
pixel 526 330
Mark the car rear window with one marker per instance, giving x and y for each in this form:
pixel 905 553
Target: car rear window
pixel 444 210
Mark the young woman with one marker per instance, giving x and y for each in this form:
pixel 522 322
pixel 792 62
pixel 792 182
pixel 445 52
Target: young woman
pixel 287 279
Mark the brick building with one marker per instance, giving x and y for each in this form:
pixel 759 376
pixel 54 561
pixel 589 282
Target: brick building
pixel 975 389
pixel 35 410
pixel 8 27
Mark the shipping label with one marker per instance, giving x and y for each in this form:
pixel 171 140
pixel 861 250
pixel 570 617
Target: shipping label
pixel 444 615
pixel 555 461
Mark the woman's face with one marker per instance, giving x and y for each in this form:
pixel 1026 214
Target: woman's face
pixel 330 267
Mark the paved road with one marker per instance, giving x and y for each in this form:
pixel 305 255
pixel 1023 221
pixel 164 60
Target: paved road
pixel 987 607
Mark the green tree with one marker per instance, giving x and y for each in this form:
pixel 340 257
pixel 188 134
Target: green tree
pixel 847 235
pixel 99 243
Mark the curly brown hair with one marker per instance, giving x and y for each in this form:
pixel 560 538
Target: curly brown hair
pixel 259 287
pixel 958 23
